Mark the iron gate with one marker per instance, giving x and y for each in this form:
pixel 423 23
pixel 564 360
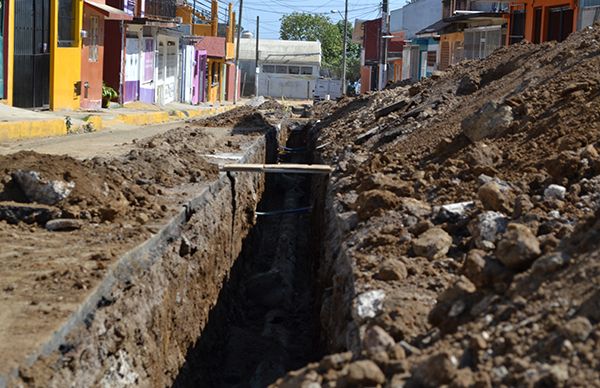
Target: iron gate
pixel 32 54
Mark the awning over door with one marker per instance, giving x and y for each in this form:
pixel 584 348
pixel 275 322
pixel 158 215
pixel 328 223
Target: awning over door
pixel 111 13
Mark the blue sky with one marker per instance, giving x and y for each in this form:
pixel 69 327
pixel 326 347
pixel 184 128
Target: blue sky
pixel 271 11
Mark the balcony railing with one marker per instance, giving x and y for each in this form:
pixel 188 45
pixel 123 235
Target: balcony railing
pixel 161 8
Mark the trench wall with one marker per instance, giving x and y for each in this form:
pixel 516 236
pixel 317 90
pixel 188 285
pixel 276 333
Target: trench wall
pixel 336 280
pixel 137 327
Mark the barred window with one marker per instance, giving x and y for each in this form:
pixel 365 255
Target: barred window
pixel 93 57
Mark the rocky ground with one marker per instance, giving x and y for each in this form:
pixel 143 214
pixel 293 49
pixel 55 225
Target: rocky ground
pixel 471 220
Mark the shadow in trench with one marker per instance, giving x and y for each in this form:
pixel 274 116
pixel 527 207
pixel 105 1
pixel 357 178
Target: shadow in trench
pixel 265 322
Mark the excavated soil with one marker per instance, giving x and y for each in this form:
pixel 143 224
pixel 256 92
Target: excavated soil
pixel 466 214
pixel 115 205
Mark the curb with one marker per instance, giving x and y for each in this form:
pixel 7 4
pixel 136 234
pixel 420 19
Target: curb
pixel 19 130
pixel 14 130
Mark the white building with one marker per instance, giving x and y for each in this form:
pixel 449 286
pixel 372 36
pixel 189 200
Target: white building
pixel 415 16
pixel 287 68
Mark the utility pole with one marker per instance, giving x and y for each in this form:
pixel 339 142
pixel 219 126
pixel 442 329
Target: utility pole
pixel 344 86
pixel 256 69
pixel 384 43
pixel 237 54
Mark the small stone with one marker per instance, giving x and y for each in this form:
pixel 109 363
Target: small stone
pixel 437 370
pixel 397 352
pixel 433 244
pixel 364 373
pixel 577 329
pixel 474 266
pixel 451 303
pixel 590 308
pixel 63 225
pixel 391 270
pixel 415 207
pixel 523 205
pixel 550 262
pixel 142 218
pixel 375 202
pixel 376 337
pixel 486 228
pixel 518 248
pixel 555 192
pixel 493 197
pixel 369 304
pixel 186 246
pixel 335 361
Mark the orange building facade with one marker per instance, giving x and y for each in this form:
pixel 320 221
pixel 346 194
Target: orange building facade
pixel 539 21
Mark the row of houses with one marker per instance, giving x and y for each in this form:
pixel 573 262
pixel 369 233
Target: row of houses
pixel 429 35
pixel 58 54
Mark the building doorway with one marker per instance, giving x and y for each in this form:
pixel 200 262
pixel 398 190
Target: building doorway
pixel 32 54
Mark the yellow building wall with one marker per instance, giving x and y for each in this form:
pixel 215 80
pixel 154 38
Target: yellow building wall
pixel 201 29
pixel 65 62
pixel 230 53
pixel 10 63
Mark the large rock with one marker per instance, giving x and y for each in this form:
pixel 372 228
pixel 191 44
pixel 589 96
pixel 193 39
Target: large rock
pixel 490 121
pixel 433 244
pixel 36 189
pixel 13 213
pixel 518 248
pixel 486 228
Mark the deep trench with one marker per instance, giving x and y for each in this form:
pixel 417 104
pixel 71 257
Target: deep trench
pixel 266 320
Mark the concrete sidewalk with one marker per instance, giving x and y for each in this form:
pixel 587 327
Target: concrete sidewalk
pixel 17 123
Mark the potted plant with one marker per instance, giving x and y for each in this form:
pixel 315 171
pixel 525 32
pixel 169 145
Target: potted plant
pixel 108 94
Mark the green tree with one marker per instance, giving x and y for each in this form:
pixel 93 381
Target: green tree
pixel 311 27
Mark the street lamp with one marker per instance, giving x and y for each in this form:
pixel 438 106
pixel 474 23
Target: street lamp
pixel 345 46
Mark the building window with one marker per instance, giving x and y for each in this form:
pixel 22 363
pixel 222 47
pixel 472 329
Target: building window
pixel 306 70
pixel 281 69
pixel 215 74
pixel 268 69
pixel 93 34
pixel 294 69
pixel 431 58
pixel 66 23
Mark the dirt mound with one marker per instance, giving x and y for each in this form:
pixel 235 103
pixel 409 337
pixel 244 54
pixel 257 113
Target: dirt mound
pixel 485 246
pixel 245 116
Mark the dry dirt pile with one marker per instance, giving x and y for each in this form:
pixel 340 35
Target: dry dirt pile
pixel 470 203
